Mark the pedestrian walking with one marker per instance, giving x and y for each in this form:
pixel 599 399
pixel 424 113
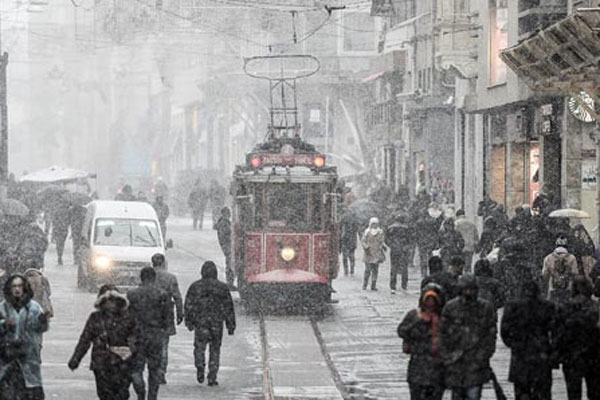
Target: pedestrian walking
pixel 442 277
pixel 399 240
pixel 76 219
pixel 349 231
pixel 428 223
pixel 490 288
pixel 559 269
pixel 372 241
pixel 583 249
pixel 208 305
pixel 112 332
pixel 469 233
pixel 60 229
pixel 420 333
pixel 451 243
pixel 162 212
pixel 528 327
pixel 22 323
pixel 578 341
pixel 42 291
pixel 467 341
pixel 217 195
pixel 149 306
pixel 223 228
pixel 197 201
pixel 167 282
pixel 31 245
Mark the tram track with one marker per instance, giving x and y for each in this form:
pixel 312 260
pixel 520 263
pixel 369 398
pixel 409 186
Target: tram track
pixel 268 383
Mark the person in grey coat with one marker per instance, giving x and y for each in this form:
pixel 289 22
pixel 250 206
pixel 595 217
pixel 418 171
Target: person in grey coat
pixel 167 282
pixel 467 341
pixel 470 235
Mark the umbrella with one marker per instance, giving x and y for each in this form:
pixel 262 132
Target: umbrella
pixel 14 207
pixel 366 209
pixel 55 174
pixel 569 213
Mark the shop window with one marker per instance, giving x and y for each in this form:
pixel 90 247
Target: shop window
pixel 498 40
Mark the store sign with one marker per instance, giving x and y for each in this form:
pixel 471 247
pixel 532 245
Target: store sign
pixel 382 8
pixel 589 171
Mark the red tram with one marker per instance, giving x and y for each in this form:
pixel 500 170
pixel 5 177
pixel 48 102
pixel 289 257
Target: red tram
pixel 285 223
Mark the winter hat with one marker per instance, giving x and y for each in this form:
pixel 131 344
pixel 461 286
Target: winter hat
pixel 561 241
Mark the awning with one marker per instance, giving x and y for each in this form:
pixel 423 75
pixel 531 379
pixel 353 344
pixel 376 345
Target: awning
pixel 56 174
pixel 563 58
pixel 372 77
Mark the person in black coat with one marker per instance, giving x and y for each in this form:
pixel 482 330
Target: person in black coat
pixel 451 242
pixel 490 288
pixel 399 239
pixel 428 225
pixel 224 233
pixel 527 328
pixel 77 218
pixel 442 277
pixel 420 333
pixel 208 304
pixel 150 308
pixel 578 340
pixel 349 231
pixel 110 326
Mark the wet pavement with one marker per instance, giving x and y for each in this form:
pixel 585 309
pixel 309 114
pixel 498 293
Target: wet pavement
pixel 359 334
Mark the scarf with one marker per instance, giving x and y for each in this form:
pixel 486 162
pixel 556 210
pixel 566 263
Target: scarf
pixel 434 318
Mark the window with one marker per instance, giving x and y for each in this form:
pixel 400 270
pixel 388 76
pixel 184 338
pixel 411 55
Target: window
pixel 126 233
pixel 358 33
pixel 498 40
pixel 289 206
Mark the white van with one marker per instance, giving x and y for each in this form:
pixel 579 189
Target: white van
pixel 119 239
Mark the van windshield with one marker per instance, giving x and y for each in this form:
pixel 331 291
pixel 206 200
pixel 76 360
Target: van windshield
pixel 126 233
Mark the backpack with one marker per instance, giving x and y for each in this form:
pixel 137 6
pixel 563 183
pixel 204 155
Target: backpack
pixel 562 278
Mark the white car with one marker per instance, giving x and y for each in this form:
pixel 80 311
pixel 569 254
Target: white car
pixel 119 239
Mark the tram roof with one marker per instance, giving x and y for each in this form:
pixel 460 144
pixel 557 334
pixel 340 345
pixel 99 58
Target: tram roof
pixel 284 175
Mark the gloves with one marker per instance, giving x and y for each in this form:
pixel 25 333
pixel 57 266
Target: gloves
pixel 73 365
pixel 179 319
pixel 230 331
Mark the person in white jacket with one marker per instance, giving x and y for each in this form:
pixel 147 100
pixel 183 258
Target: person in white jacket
pixel 372 241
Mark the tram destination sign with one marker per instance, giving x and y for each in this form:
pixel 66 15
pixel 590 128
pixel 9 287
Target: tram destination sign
pixel 299 160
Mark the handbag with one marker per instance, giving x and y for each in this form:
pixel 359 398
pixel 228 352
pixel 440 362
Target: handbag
pixel 12 349
pixel 123 352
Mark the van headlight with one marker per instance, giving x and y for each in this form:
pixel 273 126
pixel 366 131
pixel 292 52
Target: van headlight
pixel 288 254
pixel 102 263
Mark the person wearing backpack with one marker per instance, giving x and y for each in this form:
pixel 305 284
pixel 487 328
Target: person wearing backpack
pixel 560 268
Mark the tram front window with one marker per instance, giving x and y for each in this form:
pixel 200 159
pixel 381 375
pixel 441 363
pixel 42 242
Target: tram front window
pixel 288 206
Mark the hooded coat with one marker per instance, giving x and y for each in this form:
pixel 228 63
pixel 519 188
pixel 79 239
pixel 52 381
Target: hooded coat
pixel 372 241
pixel 420 333
pixel 208 303
pixel 451 242
pixel 104 328
pixel 552 267
pixel 30 324
pixel 527 328
pixel 467 341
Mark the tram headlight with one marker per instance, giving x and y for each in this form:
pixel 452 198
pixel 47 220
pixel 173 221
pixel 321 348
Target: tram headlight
pixel 319 161
pixel 288 254
pixel 102 263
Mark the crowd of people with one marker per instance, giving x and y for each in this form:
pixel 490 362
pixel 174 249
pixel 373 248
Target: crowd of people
pixel 542 272
pixel 127 333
